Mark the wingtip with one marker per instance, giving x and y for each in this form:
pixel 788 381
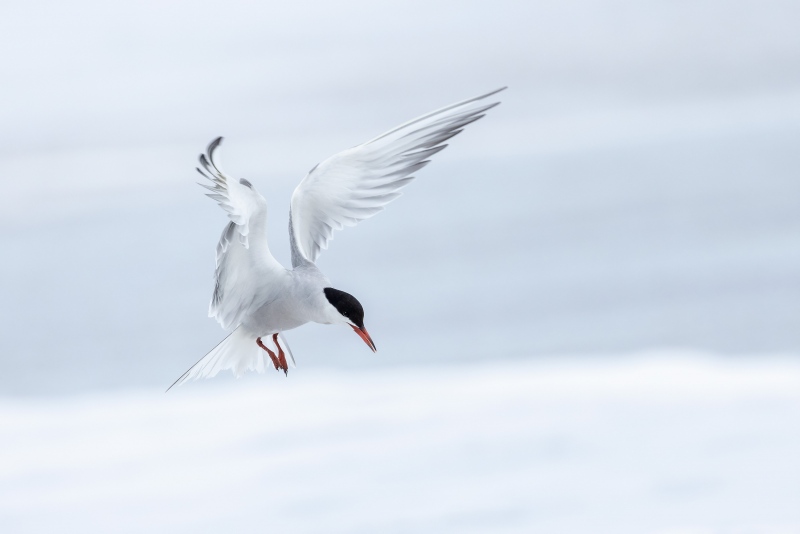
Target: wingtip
pixel 208 157
pixel 494 93
pixel 490 93
pixel 214 144
pixel 203 161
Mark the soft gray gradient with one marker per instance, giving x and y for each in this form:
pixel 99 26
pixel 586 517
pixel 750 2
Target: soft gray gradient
pixel 637 190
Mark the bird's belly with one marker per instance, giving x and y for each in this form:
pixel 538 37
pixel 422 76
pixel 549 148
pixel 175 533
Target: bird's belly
pixel 276 316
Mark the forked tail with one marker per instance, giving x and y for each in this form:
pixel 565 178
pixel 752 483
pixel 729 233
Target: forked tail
pixel 237 352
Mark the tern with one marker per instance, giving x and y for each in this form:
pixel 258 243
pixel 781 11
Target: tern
pixel 258 298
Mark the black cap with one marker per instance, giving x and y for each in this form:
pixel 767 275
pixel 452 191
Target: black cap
pixel 347 305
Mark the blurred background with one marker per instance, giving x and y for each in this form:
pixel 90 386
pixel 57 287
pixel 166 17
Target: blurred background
pixel 586 308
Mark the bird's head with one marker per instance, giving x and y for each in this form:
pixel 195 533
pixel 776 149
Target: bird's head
pixel 348 311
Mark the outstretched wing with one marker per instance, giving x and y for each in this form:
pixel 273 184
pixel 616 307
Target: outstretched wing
pixel 243 256
pixel 357 183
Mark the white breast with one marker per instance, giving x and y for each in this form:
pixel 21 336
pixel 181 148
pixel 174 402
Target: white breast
pixel 299 301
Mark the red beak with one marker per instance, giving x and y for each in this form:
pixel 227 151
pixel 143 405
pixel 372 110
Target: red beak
pixel 363 334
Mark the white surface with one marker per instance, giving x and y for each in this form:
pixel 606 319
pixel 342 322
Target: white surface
pixel 660 443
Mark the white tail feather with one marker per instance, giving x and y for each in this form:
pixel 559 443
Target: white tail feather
pixel 237 352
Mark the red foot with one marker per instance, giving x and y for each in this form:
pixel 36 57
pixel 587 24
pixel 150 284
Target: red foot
pixel 281 356
pixel 272 356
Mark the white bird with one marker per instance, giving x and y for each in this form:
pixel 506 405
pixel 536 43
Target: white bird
pixel 259 298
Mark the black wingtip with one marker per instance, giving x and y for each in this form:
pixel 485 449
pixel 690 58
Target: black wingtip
pixel 203 174
pixel 213 145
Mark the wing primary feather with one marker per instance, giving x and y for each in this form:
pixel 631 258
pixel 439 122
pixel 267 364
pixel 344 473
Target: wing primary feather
pixel 408 169
pixel 438 111
pixel 204 163
pixel 212 148
pixel 452 122
pixel 359 182
pixel 383 198
pixel 450 125
pixel 215 188
pixel 425 152
pixel 384 187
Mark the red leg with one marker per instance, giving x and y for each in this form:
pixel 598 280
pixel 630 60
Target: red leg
pixel 281 355
pixel 272 356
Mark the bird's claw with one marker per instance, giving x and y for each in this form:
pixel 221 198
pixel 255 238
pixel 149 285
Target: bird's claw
pixel 281 356
pixel 279 360
pixel 275 361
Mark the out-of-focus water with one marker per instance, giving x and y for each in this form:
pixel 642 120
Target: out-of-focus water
pixel 671 443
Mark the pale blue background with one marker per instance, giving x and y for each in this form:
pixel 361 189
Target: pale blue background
pixel 636 193
pixel 638 187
